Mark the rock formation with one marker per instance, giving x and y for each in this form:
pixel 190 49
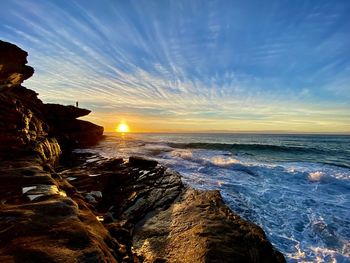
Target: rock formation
pixel 26 123
pixel 13 68
pixel 93 209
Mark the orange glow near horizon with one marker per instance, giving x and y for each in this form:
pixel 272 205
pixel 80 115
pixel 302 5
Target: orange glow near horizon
pixel 122 127
pixel 158 124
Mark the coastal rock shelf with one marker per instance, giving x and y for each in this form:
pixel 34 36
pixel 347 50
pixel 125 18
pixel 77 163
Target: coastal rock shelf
pixel 148 210
pixel 62 206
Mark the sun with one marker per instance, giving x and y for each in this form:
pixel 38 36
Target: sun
pixel 122 127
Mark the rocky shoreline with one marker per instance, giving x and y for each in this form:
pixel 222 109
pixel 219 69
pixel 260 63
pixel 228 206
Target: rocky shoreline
pixel 58 205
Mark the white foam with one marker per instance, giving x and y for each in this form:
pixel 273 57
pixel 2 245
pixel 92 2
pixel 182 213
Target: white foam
pixel 223 161
pixel 321 253
pixel 315 176
pixel 184 154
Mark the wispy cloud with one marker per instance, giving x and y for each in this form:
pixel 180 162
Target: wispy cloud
pixel 216 64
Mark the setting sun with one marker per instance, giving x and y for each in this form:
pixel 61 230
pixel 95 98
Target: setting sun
pixel 122 127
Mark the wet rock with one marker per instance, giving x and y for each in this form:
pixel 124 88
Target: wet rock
pixel 199 227
pixel 142 162
pixel 111 164
pixel 150 210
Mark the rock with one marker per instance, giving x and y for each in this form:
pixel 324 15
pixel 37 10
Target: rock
pixel 199 227
pixel 78 133
pixel 25 120
pixel 150 210
pixel 142 162
pixel 57 112
pixel 19 125
pixel 13 68
pixel 38 221
pixel 52 231
pixel 111 164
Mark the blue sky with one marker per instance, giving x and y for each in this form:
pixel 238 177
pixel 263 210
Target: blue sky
pixel 190 65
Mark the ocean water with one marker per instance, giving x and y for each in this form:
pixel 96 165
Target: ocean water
pixel 296 187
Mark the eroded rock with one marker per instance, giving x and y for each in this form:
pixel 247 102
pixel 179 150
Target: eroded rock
pixel 150 210
pixel 57 112
pixel 199 227
pixel 13 68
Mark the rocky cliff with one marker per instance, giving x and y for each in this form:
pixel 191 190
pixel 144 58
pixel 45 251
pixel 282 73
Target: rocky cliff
pixel 97 209
pixel 13 68
pixel 26 123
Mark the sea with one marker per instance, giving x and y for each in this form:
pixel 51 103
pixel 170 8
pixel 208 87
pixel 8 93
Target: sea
pixel 296 187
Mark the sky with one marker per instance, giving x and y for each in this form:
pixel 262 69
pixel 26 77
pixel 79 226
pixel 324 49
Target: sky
pixel 190 65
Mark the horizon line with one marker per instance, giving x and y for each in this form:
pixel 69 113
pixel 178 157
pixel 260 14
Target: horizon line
pixel 236 132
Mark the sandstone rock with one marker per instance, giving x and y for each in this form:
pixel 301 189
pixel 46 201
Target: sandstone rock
pixel 150 210
pixel 76 133
pixel 199 227
pixel 19 126
pixel 13 69
pixel 25 120
pixel 57 112
pixel 38 221
pixel 52 231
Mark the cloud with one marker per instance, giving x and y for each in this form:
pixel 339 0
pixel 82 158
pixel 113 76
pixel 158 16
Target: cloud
pixel 204 63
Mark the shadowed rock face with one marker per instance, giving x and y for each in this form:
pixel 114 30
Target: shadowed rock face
pixel 26 123
pixel 39 222
pixel 57 112
pixel 13 70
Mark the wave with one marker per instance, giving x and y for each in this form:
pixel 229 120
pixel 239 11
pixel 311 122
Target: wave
pixel 245 147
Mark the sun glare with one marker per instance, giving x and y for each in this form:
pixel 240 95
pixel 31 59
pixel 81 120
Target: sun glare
pixel 122 127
